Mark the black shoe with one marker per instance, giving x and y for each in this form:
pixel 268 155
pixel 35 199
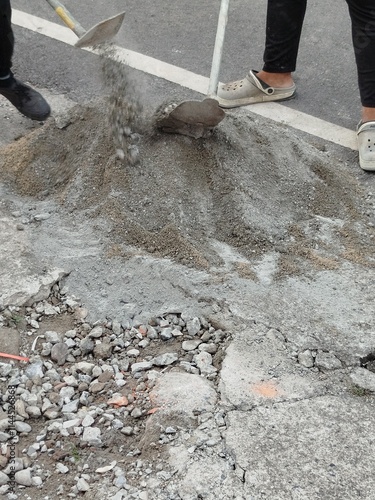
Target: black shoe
pixel 27 100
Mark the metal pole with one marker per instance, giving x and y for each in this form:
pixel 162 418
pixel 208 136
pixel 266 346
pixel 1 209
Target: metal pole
pixel 218 49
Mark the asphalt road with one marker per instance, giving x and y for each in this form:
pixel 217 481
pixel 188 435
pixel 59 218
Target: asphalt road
pixel 183 33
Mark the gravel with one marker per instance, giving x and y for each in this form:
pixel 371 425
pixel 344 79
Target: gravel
pixel 98 387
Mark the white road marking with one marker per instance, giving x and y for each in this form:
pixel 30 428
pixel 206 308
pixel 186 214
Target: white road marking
pixel 273 111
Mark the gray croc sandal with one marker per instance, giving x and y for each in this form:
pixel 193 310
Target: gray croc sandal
pixel 251 90
pixel 366 145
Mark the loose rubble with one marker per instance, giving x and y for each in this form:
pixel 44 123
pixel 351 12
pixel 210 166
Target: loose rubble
pixel 106 387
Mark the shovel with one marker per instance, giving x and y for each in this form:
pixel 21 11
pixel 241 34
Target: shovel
pixel 101 32
pixel 197 118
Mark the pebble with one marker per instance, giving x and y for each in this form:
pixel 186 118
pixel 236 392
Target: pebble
pixel 103 350
pixel 96 332
pixel 82 485
pixel 363 378
pixel 193 326
pixel 22 427
pixel 23 477
pixel 327 361
pixel 52 337
pixel 165 359
pixel 141 366
pixel 86 346
pixel 190 345
pixel 59 353
pixel 63 469
pixel 85 367
pixel 4 479
pixel 91 435
pixel 306 359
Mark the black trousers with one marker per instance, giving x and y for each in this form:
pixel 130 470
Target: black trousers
pixel 6 38
pixel 283 32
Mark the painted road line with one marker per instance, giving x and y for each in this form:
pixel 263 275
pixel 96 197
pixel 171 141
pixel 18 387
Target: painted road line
pixel 273 111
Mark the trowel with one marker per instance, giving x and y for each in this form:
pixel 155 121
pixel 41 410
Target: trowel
pixel 198 118
pixel 100 33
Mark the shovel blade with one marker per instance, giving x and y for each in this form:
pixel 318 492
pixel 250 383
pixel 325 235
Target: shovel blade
pixel 101 32
pixel 193 118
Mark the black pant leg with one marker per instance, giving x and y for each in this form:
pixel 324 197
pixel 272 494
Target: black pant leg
pixel 6 37
pixel 362 13
pixel 283 32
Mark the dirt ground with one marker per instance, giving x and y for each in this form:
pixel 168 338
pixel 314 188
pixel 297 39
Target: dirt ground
pixel 252 185
pixel 255 202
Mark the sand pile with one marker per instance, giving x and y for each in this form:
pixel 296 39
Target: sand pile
pixel 253 187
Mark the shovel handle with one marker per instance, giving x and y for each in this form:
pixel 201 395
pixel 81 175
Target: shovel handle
pixel 66 16
pixel 218 49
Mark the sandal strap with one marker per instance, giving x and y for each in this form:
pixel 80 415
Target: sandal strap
pixel 260 84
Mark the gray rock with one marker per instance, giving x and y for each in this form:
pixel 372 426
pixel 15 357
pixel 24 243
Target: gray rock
pixel 306 359
pixel 96 332
pixel 71 334
pixel 59 353
pixel 103 350
pixel 91 435
pixel 116 327
pixel 327 361
pixel 4 479
pixel 128 431
pixel 4 436
pixel 210 348
pixel 193 326
pixel 34 370
pixel 133 353
pixel 166 334
pixel 203 360
pixel 190 345
pixel 71 407
pixel 142 366
pixel 23 477
pixel 22 427
pixel 16 466
pixel 51 413
pixel 165 359
pixel 33 411
pixel 50 310
pixel 136 413
pixel 85 367
pixel 82 485
pixel 52 337
pixel 152 334
pixel 87 421
pixel 87 345
pixel 363 378
pixel 4 424
pixel 63 469
pixel 37 481
pixel 120 481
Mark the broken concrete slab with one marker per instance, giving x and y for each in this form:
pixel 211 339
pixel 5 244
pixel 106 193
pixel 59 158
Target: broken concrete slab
pixel 265 371
pixel 183 393
pixel 23 280
pixel 311 449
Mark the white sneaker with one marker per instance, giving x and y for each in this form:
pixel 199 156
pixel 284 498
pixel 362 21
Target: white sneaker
pixel 366 145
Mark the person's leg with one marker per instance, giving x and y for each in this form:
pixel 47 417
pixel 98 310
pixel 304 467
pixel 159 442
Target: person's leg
pixel 362 14
pixel 283 33
pixel 274 82
pixel 6 38
pixel 27 100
